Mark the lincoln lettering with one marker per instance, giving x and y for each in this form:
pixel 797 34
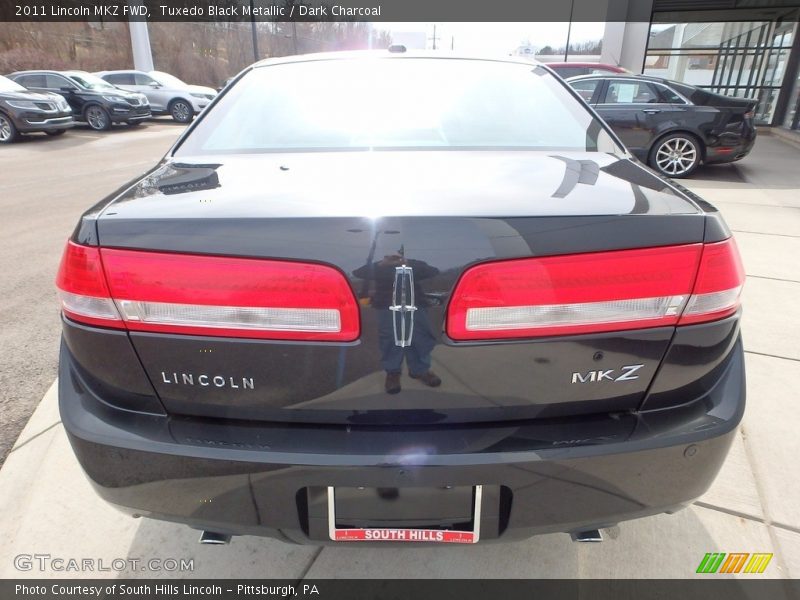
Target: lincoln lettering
pixel 205 380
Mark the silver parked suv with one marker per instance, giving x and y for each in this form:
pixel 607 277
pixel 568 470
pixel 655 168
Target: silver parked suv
pixel 167 94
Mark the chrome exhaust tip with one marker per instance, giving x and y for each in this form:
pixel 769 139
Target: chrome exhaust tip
pixel 212 537
pixel 590 535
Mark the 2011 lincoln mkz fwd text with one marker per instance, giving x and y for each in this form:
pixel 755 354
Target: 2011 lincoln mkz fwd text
pixel 398 297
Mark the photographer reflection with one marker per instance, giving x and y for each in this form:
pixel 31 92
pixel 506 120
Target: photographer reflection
pixel 404 330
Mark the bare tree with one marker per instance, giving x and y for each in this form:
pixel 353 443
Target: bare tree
pixel 197 52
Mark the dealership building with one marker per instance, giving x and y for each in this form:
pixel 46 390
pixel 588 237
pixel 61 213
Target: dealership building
pixel 755 57
pixel 746 48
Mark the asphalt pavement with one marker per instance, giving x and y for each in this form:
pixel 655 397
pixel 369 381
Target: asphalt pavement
pixel 45 185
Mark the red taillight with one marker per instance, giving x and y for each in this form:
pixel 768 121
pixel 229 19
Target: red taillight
pixel 82 288
pixel 593 293
pixel 719 283
pixel 235 297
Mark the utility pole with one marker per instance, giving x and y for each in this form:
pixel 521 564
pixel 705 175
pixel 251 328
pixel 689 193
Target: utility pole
pixel 434 38
pixel 254 31
pixel 569 30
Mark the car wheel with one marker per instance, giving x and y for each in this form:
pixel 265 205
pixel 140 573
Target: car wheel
pixel 676 155
pixel 97 118
pixel 181 111
pixel 56 132
pixel 8 133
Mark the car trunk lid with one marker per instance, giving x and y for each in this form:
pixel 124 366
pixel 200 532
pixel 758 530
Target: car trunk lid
pixel 440 213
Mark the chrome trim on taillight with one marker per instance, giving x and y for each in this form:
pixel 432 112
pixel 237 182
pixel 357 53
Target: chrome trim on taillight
pixel 553 315
pixel 88 306
pixel 239 317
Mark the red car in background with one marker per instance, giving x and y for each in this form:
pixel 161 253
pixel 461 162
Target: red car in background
pixel 572 69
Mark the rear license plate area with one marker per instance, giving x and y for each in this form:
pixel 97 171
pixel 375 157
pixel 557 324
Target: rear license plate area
pixel 448 514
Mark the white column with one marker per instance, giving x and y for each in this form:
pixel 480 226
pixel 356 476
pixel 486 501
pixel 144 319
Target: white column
pixel 625 44
pixel 634 46
pixel 140 44
pixel 613 36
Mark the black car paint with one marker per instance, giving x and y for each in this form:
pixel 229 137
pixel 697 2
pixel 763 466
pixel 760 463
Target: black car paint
pixel 716 120
pixel 170 210
pixel 79 98
pixel 551 475
pixel 46 117
pixel 553 456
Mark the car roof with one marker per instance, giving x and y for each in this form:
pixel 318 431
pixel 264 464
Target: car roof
pixel 52 71
pixel 36 72
pixel 156 72
pixel 119 71
pixel 556 65
pixel 386 54
pixel 626 76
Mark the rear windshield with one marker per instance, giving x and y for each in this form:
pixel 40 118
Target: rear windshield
pixel 566 72
pixel 90 82
pixel 398 103
pixel 167 79
pixel 703 97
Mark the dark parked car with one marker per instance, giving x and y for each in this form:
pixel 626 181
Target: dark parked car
pixel 672 126
pixel 94 101
pixel 235 322
pixel 23 111
pixel 573 69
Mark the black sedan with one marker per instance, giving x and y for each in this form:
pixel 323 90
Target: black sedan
pixel 93 100
pixel 444 306
pixel 672 126
pixel 23 111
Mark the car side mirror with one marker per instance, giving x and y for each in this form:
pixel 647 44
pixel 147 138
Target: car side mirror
pixel 67 89
pixel 154 85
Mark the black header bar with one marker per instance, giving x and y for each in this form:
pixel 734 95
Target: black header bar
pixel 710 588
pixel 327 10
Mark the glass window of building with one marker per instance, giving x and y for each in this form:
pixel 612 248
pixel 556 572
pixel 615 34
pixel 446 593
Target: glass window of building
pixel 745 59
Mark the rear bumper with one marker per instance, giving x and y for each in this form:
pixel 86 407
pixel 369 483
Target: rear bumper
pixel 555 475
pixel 730 153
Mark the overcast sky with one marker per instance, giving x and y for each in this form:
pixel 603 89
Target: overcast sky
pixel 500 38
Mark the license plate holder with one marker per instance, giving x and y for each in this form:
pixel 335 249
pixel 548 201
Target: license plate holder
pixel 404 534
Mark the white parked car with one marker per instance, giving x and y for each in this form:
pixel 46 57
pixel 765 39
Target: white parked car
pixel 167 94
